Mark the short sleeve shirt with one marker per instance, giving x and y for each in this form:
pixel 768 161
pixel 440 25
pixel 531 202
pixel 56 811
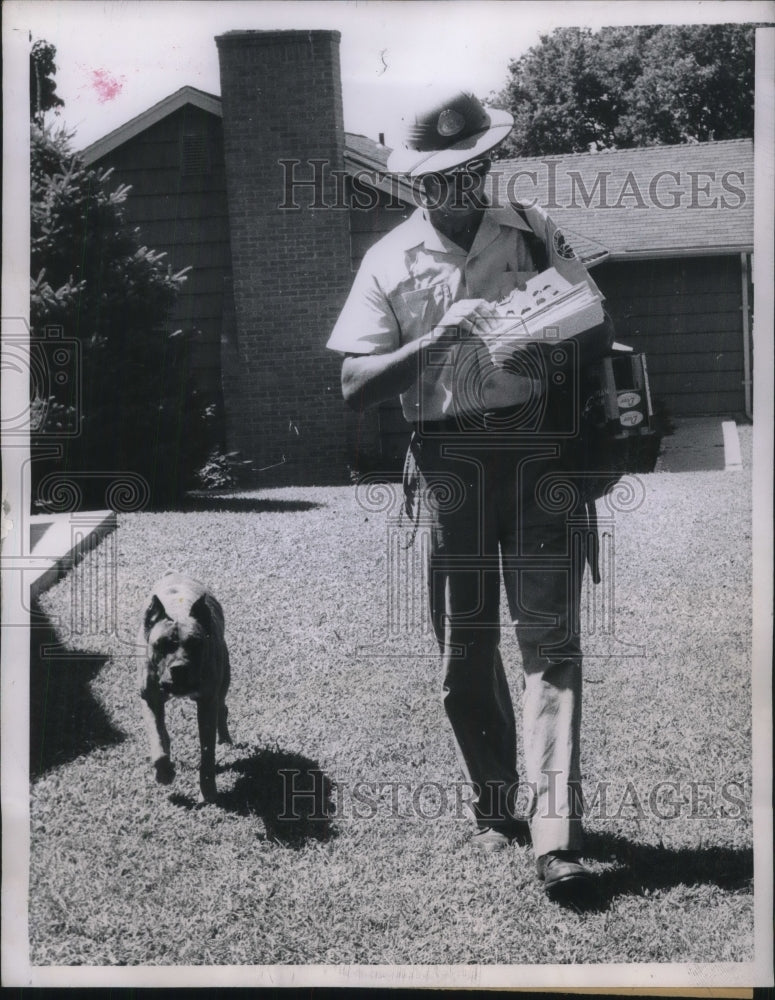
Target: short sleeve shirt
pixel 410 278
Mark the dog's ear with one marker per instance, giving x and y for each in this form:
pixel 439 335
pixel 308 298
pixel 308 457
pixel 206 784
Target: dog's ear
pixel 153 613
pixel 200 612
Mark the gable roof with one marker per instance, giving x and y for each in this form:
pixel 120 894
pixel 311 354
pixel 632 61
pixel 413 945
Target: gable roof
pixel 361 155
pixel 681 200
pixel 186 95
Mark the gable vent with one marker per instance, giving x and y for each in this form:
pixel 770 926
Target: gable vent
pixel 195 154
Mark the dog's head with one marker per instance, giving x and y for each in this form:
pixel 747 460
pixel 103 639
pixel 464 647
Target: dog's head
pixel 177 648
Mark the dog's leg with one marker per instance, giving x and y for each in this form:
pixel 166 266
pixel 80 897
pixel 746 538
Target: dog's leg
pixel 207 713
pixel 158 737
pixel 223 712
pixel 223 728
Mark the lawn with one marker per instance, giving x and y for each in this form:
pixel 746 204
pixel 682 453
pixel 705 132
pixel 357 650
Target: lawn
pixel 336 690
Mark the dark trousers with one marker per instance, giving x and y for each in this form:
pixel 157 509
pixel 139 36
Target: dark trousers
pixel 486 526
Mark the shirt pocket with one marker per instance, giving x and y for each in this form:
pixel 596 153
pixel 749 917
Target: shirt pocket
pixel 420 309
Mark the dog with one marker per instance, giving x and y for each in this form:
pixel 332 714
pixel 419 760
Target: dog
pixel 182 632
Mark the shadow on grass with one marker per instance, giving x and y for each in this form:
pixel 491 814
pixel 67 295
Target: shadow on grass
pixel 641 868
pixel 245 505
pixel 65 719
pixel 287 791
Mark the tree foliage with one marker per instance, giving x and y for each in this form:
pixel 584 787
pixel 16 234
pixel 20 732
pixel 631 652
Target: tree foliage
pixel 43 95
pixel 634 86
pixel 131 397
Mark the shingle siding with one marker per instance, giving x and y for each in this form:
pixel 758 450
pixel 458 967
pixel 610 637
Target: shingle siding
pixel 183 216
pixel 686 316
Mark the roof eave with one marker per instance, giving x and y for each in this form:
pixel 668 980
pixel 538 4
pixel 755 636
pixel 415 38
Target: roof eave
pixel 672 252
pixel 392 184
pixel 122 134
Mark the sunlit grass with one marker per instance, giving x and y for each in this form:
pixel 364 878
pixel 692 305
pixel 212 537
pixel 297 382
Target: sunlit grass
pixel 124 871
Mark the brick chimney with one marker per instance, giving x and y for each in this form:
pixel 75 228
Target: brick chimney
pixel 282 101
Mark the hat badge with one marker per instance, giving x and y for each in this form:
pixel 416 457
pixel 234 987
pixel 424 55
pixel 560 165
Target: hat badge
pixel 450 123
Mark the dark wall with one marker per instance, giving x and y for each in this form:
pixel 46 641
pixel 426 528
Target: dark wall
pixel 178 200
pixel 686 316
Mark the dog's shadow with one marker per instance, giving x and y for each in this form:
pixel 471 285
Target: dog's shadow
pixel 640 869
pixel 288 792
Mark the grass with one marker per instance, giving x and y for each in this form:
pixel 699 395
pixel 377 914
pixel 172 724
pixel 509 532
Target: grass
pixel 126 872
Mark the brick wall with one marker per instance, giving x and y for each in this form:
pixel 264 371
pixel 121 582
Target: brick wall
pixel 281 93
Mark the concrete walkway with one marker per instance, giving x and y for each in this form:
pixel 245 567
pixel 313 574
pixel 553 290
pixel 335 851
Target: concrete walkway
pixel 700 444
pixel 58 541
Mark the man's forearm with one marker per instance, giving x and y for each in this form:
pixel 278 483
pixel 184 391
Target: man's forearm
pixel 369 379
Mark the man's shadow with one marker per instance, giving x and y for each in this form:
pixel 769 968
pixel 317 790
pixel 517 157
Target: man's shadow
pixel 288 792
pixel 245 505
pixel 641 868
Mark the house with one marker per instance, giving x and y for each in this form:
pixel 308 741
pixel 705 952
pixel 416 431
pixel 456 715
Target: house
pixel 172 156
pixel 273 205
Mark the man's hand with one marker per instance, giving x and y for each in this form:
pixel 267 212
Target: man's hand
pixel 371 379
pixel 465 318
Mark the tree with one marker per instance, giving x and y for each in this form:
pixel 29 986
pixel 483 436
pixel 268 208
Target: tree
pixel 91 277
pixel 622 87
pixel 696 84
pixel 43 95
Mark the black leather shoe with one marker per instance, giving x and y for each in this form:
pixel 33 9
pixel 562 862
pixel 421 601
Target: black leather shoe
pixel 565 878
